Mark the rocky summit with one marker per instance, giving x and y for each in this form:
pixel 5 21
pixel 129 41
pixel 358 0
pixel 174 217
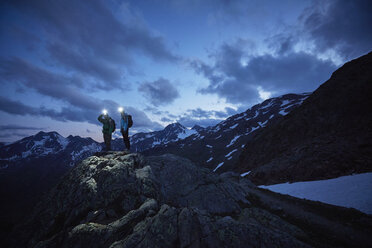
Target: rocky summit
pixel 117 199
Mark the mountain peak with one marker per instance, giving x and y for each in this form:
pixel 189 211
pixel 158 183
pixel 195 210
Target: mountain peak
pixel 197 128
pixel 174 126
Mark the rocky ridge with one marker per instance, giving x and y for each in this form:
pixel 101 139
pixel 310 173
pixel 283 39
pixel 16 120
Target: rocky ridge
pixel 143 141
pixel 127 200
pixel 218 147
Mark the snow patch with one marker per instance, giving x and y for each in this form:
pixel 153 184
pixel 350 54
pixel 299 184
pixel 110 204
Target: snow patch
pixel 210 159
pixel 252 130
pixel 245 173
pixel 77 155
pixel 255 115
pixel 62 141
pixel 233 141
pixel 348 191
pixel 228 155
pixel 186 133
pixel 234 126
pixel 262 124
pixel 209 146
pixel 218 166
pixel 239 117
pixel 285 102
pixel 282 112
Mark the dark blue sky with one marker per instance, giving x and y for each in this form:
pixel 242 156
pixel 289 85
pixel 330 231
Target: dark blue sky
pixel 191 61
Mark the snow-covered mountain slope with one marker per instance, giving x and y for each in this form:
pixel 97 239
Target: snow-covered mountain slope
pixel 219 146
pixel 47 145
pixel 328 136
pixel 354 191
pixel 143 141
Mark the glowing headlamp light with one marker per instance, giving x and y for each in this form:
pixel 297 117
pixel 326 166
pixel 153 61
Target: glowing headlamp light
pixel 120 109
pixel 104 112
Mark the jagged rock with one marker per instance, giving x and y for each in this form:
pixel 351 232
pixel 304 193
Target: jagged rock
pixel 126 200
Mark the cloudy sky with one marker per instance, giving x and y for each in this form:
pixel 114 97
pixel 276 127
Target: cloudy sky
pixel 192 61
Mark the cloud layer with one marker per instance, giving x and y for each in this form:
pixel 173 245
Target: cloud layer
pixel 159 92
pixel 341 25
pixel 239 81
pixel 87 38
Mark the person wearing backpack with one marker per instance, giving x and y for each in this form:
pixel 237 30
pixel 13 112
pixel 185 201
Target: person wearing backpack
pixel 107 129
pixel 125 123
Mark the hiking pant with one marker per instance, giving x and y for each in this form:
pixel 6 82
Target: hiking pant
pixel 126 138
pixel 107 139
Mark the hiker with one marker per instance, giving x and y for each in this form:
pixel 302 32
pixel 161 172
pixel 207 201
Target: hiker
pixel 125 123
pixel 107 129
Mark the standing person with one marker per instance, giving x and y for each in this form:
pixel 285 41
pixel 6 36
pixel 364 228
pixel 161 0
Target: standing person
pixel 107 129
pixel 125 123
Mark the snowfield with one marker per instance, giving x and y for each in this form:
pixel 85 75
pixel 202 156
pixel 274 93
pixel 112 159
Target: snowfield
pixel 353 191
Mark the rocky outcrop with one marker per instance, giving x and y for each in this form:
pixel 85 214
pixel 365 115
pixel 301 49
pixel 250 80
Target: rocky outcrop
pixel 329 135
pixel 126 200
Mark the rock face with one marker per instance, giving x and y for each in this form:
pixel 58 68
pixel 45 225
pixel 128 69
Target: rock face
pixel 126 200
pixel 329 135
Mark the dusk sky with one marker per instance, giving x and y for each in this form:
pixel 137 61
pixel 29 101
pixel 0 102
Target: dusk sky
pixel 195 62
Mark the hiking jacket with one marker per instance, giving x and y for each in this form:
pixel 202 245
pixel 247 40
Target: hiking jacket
pixel 124 122
pixel 108 127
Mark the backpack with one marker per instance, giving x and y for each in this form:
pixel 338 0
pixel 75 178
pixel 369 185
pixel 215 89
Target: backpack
pixel 130 121
pixel 112 125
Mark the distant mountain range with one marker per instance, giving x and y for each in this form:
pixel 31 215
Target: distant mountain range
pixel 219 146
pixel 207 146
pixel 39 161
pixel 143 141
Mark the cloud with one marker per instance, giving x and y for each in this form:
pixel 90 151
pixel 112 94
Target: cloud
pixel 10 135
pixel 341 25
pixel 140 119
pixel 16 107
pixel 159 92
pixel 11 131
pixel 46 83
pixel 18 127
pixel 166 119
pixel 86 38
pixel 203 117
pixel 190 122
pixel 201 113
pixel 238 82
